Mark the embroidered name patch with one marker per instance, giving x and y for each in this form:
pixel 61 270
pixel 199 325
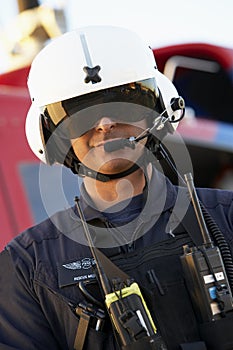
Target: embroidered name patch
pixel 73 272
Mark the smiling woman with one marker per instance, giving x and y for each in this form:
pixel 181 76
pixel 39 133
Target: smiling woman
pixel 129 227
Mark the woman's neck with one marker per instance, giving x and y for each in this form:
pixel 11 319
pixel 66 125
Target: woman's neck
pixel 106 194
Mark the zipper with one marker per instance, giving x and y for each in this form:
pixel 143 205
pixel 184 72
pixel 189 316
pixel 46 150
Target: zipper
pixel 131 246
pixel 110 226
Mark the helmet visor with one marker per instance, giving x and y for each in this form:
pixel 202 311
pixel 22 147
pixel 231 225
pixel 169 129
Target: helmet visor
pixel 123 104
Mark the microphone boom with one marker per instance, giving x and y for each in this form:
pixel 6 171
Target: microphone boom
pixel 116 145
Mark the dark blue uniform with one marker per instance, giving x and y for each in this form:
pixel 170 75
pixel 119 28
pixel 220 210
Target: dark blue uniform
pixel 40 269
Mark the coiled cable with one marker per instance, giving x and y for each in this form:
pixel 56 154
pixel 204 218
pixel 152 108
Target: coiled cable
pixel 221 242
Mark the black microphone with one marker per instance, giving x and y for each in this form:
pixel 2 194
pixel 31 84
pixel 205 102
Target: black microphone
pixel 115 145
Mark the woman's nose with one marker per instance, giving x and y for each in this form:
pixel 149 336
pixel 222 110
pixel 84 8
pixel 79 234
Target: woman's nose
pixel 105 124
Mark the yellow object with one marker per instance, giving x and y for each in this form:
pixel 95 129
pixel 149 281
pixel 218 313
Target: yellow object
pixel 125 292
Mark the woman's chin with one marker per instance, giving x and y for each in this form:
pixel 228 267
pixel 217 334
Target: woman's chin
pixel 113 166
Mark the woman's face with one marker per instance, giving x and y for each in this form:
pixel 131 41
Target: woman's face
pixel 89 147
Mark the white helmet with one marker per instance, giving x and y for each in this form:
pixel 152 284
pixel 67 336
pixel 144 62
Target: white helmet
pixel 89 60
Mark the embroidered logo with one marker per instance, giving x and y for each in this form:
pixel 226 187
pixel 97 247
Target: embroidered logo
pixel 85 263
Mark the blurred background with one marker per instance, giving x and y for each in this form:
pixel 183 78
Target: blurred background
pixel 193 46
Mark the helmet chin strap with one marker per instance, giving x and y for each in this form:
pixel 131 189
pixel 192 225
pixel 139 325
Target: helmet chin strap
pixel 83 171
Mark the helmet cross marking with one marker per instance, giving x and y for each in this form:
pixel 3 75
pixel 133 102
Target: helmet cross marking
pixel 92 74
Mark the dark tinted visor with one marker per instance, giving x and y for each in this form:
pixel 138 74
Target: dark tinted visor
pixel 128 103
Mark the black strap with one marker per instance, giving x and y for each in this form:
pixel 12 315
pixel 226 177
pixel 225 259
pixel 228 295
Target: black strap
pixel 83 170
pixel 192 227
pixel 110 269
pixel 189 220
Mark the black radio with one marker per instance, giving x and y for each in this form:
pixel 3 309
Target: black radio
pixel 207 282
pixel 204 272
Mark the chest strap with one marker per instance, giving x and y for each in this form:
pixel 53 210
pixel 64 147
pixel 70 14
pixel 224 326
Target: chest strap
pixel 189 220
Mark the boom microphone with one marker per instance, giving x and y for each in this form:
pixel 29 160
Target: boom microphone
pixel 115 145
